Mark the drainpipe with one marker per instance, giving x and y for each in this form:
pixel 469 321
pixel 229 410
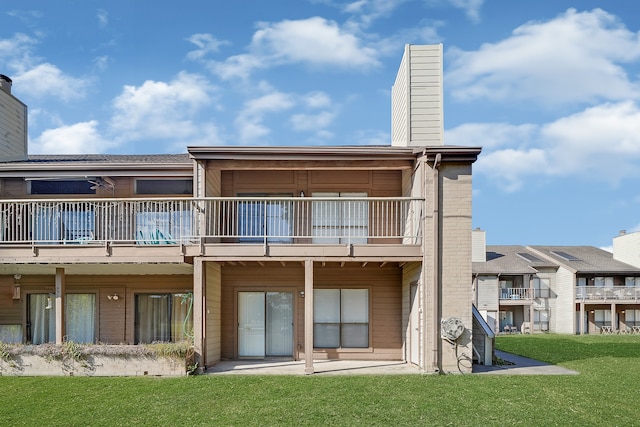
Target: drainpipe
pixel 436 363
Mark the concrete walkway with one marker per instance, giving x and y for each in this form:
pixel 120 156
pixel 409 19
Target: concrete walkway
pixel 521 366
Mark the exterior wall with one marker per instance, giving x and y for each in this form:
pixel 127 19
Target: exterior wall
pixel 125 187
pixel 417 93
pixel 377 183
pixel 478 246
pixel 385 305
pixel 213 313
pixel 115 319
pixel 487 290
pixel 456 260
pixel 13 128
pixel 563 306
pixel 411 274
pixel 626 248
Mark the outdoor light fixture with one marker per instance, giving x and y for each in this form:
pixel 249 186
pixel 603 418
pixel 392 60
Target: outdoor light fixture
pixel 16 285
pixel 301 294
pixel 113 297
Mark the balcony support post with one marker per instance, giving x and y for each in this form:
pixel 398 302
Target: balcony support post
pixel 199 313
pixel 581 319
pixel 308 317
pixel 60 290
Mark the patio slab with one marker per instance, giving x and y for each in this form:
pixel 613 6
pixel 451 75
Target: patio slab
pixel 322 367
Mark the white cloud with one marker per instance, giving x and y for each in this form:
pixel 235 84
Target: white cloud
pixel 315 42
pixel 471 8
pixel 48 80
pixel 160 110
pixel 573 58
pixel 249 123
pixel 206 44
pixel 490 135
pixel 317 100
pixel 79 138
pixel 307 122
pixel 600 144
pixel 103 18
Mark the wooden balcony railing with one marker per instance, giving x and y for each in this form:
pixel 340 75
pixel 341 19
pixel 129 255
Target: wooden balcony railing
pixel 226 220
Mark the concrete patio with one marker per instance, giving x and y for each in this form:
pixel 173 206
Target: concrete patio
pixel 518 366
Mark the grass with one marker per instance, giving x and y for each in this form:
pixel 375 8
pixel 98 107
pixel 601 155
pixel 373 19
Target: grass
pixel 603 393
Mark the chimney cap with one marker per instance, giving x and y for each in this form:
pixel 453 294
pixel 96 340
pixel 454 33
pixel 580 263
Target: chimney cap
pixel 5 78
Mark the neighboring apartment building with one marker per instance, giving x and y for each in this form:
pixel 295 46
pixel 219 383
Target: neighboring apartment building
pixel 561 289
pixel 344 252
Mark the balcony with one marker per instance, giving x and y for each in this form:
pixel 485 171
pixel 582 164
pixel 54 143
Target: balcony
pixel 515 294
pixel 612 293
pixel 201 221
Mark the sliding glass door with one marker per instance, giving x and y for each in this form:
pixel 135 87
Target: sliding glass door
pixel 265 324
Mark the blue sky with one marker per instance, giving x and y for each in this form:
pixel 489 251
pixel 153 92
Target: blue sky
pixel 549 89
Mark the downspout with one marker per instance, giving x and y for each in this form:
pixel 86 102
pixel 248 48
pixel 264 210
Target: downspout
pixel 437 304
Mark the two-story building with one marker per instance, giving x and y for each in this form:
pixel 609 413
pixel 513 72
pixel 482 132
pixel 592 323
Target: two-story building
pixel 560 289
pixel 341 252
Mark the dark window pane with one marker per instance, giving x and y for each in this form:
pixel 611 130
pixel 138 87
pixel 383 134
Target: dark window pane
pixel 164 186
pixel 61 187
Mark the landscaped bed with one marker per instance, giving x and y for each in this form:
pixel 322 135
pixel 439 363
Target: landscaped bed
pixel 602 394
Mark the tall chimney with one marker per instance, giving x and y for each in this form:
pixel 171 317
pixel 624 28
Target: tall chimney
pixel 5 83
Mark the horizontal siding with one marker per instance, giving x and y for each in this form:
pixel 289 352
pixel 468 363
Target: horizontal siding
pixel 13 128
pixel 385 303
pixel 115 318
pixel 487 289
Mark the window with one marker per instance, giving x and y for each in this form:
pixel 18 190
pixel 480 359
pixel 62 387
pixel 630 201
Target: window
pixel 260 219
pixel 632 317
pixel 80 318
pixel 41 322
pixel 54 225
pixel 11 334
pixel 632 281
pixel 336 221
pixel 603 282
pixel 540 287
pixel 602 318
pixel 540 320
pixel 164 186
pixel 163 317
pixel 341 318
pixel 51 186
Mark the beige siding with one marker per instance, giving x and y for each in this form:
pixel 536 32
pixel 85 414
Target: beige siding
pixel 384 284
pixel 213 314
pixel 487 289
pixel 417 110
pixel 115 318
pixel 377 183
pixel 562 318
pixel 478 246
pixel 410 275
pixel 13 128
pixel 626 248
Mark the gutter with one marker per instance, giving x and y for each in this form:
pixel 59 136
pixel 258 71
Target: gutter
pixel 436 362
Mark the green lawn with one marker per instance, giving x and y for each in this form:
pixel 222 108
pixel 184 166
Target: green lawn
pixel 603 393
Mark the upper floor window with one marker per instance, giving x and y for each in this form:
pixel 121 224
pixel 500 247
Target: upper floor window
pixel 164 186
pixel 55 186
pixel 336 221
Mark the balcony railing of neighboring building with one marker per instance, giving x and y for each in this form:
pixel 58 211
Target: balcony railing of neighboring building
pixel 628 293
pixel 516 293
pixel 284 220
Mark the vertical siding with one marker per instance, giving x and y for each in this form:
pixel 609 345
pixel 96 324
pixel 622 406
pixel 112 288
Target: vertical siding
pixel 13 128
pixel 213 314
